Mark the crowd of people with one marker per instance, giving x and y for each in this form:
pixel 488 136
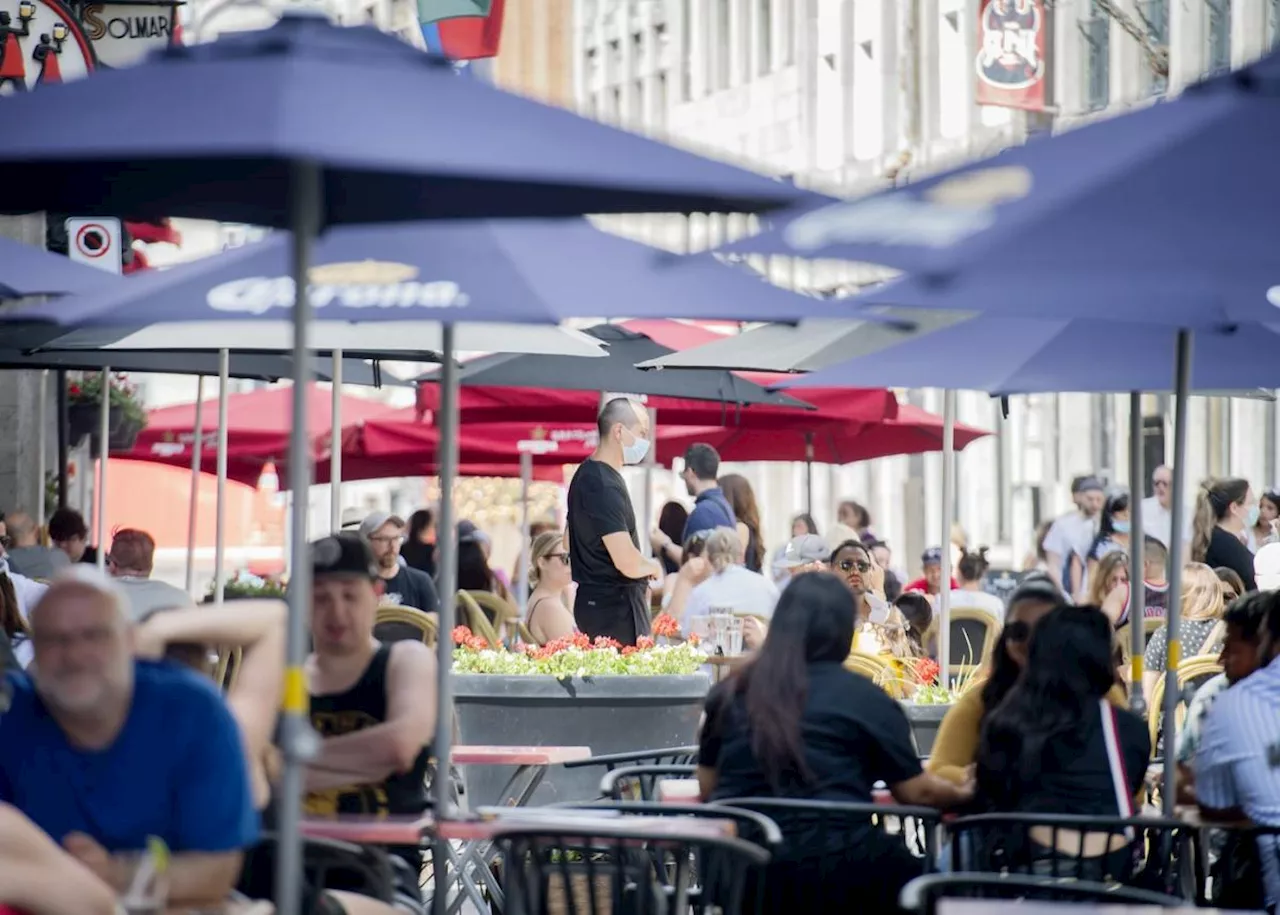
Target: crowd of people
pixel 116 730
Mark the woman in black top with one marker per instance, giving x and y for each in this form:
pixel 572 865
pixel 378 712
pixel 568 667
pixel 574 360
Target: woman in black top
pixel 1043 748
pixel 671 521
pixel 1225 510
pixel 419 548
pixel 737 490
pixel 794 723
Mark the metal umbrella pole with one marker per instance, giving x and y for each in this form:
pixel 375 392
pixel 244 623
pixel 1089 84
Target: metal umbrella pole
pixel 42 447
pixel 298 741
pixel 193 501
pixel 447 565
pixel 220 505
pixel 948 518
pixel 1173 611
pixel 522 568
pixel 1137 555
pixel 335 447
pixel 808 474
pixel 104 433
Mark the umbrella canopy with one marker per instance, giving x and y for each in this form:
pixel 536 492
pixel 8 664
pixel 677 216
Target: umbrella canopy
pixel 1006 355
pixel 617 372
pixel 26 270
pixel 395 134
pixel 1120 206
pixel 804 347
pixel 472 270
pixel 913 431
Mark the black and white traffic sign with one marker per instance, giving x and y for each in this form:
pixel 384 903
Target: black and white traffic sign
pixel 97 242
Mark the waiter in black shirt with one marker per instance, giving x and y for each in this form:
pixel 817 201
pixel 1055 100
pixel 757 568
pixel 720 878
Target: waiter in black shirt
pixel 604 547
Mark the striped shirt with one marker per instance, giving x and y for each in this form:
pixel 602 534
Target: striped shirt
pixel 1238 763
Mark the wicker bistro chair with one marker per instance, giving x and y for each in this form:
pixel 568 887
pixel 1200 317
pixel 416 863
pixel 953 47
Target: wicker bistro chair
pixel 973 635
pixel 640 783
pixel 877 670
pixel 923 894
pixel 405 624
pixel 1150 853
pixel 502 616
pixel 608 867
pixel 227 668
pixel 1193 673
pixel 476 619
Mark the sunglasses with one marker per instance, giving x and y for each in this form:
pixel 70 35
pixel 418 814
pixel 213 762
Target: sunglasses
pixel 1017 631
pixel 848 565
pixel 1159 484
pixel 563 557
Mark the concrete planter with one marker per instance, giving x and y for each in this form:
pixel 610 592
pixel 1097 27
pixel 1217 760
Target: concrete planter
pixel 607 714
pixel 925 721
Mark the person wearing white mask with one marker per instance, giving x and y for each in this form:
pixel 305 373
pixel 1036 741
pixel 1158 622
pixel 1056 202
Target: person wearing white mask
pixel 604 548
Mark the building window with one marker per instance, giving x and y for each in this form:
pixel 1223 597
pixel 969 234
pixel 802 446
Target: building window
pixel 1273 22
pixel 1154 16
pixel 764 36
pixel 787 10
pixel 723 37
pixel 685 53
pixel 1096 31
pixel 1219 56
pixel 660 101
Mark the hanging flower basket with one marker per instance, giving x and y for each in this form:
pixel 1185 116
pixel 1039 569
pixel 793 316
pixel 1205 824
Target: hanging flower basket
pixel 126 415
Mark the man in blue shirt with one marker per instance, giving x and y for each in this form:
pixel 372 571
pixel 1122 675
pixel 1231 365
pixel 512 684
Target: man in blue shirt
pixel 103 752
pixel 1238 763
pixel 710 508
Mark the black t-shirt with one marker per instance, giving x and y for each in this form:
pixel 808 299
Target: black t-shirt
pixel 1073 775
pixel 411 588
pixel 599 505
pixel 1225 549
pixel 854 735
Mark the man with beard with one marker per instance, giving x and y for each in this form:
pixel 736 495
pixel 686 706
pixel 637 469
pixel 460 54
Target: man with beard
pixel 711 509
pixel 402 585
pixel 103 752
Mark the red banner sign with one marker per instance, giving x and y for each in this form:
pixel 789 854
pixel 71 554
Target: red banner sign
pixel 1012 65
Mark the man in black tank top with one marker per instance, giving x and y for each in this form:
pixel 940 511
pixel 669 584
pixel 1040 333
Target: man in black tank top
pixel 374 704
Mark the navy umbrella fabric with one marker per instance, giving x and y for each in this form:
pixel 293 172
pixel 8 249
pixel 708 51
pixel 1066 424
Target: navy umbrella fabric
pixel 26 270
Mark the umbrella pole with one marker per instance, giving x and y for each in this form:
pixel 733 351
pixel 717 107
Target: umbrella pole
pixel 42 447
pixel 297 740
pixel 220 505
pixel 335 446
pixel 104 448
pixel 447 552
pixel 1137 551
pixel 948 518
pixel 522 575
pixel 808 473
pixel 193 500
pixel 64 439
pixel 1173 611
pixel 646 504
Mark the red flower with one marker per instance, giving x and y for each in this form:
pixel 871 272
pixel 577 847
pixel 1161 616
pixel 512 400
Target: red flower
pixel 664 624
pixel 476 643
pixel 603 641
pixel 629 650
pixel 74 390
pixel 580 640
pixel 694 639
pixel 461 634
pixel 645 642
pixel 926 671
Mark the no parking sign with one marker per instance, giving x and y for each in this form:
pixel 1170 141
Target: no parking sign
pixel 96 242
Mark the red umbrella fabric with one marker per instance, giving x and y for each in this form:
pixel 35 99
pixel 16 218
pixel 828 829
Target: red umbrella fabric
pixel 913 431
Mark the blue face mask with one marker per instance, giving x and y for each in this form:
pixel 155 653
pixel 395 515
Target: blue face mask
pixel 1251 516
pixel 636 451
pixel 1120 527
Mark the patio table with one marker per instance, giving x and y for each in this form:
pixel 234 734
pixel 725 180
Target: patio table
pixel 1033 907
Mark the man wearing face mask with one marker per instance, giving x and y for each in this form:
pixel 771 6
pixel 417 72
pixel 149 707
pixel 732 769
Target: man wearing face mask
pixel 604 548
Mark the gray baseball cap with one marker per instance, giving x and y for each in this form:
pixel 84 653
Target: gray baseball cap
pixel 804 550
pixel 369 526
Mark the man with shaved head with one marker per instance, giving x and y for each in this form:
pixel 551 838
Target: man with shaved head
pixel 103 752
pixel 26 555
pixel 604 547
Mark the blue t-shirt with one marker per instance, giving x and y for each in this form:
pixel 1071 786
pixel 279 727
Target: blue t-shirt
pixel 177 769
pixel 710 510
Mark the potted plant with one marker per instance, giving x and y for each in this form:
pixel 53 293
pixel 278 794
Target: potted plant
pixel 574 692
pixel 126 415
pixel 928 700
pixel 246 586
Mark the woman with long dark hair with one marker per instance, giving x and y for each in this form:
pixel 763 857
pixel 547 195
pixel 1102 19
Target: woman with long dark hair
pixel 419 547
pixel 1055 745
pixel 794 723
pixel 742 499
pixel 474 572
pixel 13 626
pixel 1225 511
pixel 1264 530
pixel 671 522
pixel 1112 537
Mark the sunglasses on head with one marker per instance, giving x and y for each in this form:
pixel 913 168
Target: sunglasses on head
pixel 846 565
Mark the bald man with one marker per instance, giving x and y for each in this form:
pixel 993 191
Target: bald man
pixel 604 548
pixel 102 751
pixel 26 555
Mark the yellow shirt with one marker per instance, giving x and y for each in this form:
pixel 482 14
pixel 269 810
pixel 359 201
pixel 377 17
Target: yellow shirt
pixel 956 746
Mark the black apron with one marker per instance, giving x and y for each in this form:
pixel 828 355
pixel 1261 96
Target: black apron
pixel 620 613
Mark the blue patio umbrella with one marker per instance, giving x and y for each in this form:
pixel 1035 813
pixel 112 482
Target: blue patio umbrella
pixel 465 271
pixel 305 126
pixel 1178 199
pixel 26 270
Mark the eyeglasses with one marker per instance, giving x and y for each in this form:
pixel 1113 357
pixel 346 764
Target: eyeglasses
pixel 1159 484
pixel 846 565
pixel 388 539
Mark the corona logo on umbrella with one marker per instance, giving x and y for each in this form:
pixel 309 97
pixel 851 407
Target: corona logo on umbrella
pixel 357 284
pixel 41 42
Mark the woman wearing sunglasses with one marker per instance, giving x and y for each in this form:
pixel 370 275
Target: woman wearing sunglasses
pixel 549 616
pixel 956 747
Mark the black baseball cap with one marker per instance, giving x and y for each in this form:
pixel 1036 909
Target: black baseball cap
pixel 344 554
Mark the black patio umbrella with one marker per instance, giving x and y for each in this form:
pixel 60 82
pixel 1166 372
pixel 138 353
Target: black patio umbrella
pixel 617 372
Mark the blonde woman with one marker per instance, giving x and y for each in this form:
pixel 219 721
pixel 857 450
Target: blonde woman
pixel 548 616
pixel 1202 608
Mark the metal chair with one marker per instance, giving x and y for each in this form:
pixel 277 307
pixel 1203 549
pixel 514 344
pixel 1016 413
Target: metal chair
pixel 1139 851
pixel 601 869
pixel 923 894
pixel 405 624
pixel 664 756
pixel 626 782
